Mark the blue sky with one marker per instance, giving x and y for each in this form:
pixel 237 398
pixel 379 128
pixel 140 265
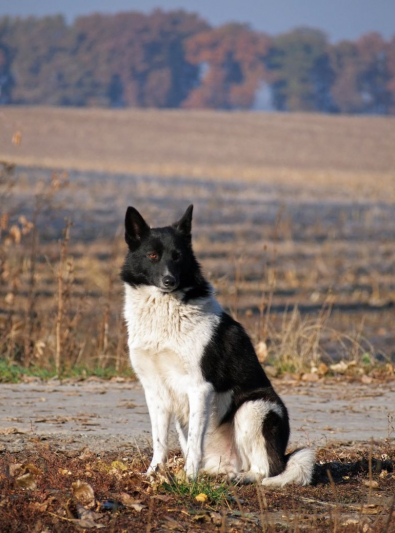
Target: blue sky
pixel 340 19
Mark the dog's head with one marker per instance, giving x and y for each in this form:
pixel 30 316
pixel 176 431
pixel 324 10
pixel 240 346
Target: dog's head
pixel 161 257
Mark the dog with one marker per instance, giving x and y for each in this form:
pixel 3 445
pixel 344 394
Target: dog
pixel 198 366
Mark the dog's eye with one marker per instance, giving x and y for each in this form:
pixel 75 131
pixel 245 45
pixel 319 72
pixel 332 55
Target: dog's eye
pixel 153 256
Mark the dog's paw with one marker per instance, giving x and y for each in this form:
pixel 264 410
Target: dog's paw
pixel 153 469
pixel 232 476
pixel 247 478
pixel 191 473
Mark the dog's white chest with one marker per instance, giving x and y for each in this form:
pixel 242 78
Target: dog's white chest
pixel 170 334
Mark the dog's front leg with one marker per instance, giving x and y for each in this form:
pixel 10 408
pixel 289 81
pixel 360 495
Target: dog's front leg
pixel 199 413
pixel 160 421
pixel 181 436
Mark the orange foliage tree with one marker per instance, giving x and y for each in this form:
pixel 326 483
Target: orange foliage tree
pixel 232 64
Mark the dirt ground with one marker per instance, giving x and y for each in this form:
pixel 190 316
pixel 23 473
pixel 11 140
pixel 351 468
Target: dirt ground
pixel 113 416
pixel 72 457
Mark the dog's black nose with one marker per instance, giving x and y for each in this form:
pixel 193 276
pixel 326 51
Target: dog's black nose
pixel 169 282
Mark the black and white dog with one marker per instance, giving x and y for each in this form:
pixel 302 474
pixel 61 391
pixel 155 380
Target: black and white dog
pixel 198 365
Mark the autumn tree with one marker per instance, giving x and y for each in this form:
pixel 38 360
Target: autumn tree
pixel 299 62
pixel 6 78
pixel 374 74
pixel 231 62
pixel 137 60
pixel 175 59
pixel 391 75
pixel 36 46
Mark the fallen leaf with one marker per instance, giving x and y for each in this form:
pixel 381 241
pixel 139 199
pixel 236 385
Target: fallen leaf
pixel 173 524
pixel 26 481
pixel 322 369
pixel 119 465
pixel 371 483
pixel 339 367
pixel 161 497
pixel 83 492
pixel 84 513
pixel 15 469
pixel 41 507
pixel 17 138
pixel 371 509
pixel 351 522
pixel 201 517
pixel 30 467
pixel 85 454
pixel 64 472
pixel 181 476
pixel 216 518
pixel 13 431
pixel 130 502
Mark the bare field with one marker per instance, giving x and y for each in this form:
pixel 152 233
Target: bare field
pixel 294 226
pixel 312 278
pixel 339 155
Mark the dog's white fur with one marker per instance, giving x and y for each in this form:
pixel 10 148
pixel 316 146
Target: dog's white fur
pixel 166 339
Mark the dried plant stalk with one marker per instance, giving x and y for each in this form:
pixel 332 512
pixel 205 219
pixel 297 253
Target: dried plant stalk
pixel 60 310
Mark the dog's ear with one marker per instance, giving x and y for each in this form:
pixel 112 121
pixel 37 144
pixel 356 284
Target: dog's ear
pixel 184 225
pixel 136 228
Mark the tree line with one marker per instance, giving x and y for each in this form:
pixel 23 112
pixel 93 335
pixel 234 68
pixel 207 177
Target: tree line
pixel 176 59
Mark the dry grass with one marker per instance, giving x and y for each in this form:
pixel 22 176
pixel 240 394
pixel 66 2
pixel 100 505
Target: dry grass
pixel 337 154
pixel 312 282
pixel 318 237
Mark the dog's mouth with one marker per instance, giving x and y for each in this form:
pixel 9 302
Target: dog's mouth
pixel 167 290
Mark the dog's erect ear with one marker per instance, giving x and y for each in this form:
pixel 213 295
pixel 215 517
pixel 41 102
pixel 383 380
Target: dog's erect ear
pixel 136 227
pixel 184 225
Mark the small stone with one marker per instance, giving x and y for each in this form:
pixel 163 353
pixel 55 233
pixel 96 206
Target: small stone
pixel 271 371
pixel 310 377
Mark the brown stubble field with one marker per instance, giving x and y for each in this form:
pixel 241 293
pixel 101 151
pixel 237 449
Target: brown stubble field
pixel 294 226
pixel 338 154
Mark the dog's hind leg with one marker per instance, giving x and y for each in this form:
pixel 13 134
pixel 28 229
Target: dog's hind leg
pixel 220 454
pixel 261 435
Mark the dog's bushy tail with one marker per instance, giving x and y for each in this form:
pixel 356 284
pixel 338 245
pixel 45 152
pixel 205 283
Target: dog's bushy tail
pixel 299 469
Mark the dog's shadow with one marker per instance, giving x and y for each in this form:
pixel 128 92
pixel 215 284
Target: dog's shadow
pixel 346 471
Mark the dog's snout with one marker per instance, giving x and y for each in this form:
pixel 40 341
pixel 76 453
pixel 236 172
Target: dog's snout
pixel 169 282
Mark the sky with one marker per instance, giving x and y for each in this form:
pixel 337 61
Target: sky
pixel 340 19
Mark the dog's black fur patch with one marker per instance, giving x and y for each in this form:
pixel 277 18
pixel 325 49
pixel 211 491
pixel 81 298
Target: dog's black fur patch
pixel 230 364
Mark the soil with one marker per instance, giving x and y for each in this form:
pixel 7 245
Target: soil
pixel 112 416
pixel 63 442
